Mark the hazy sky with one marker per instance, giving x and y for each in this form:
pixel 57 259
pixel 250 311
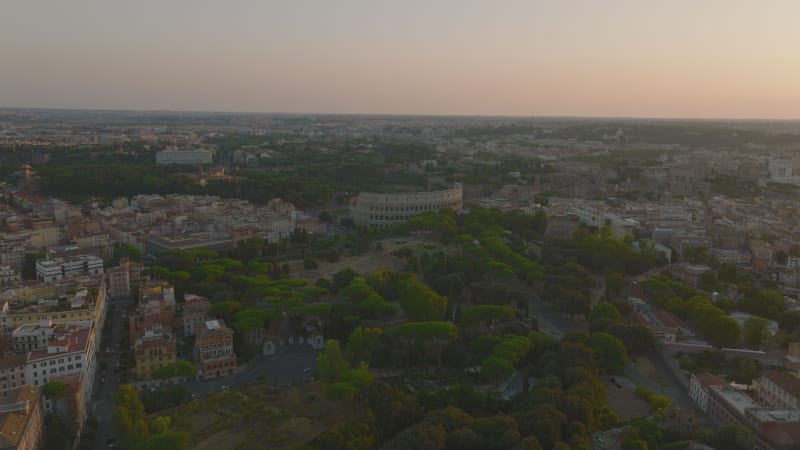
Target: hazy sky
pixel 659 58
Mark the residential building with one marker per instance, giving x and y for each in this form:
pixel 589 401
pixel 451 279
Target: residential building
pixel 195 311
pixel 689 273
pixel 12 374
pixel 42 304
pixel 8 276
pixel 123 278
pixel 22 419
pixel 699 385
pixel 154 350
pixel 70 352
pixel 28 337
pixel 214 349
pixel 48 270
pixel 777 389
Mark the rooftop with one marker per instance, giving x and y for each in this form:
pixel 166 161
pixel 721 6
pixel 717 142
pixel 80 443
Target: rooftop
pixel 786 381
pixel 14 415
pixel 709 379
pixel 737 399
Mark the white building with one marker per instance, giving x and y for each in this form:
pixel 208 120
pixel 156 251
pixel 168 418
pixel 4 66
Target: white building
pixel 56 269
pixel 699 385
pixel 780 170
pixel 69 353
pixel 184 156
pixel 8 276
pixel 32 336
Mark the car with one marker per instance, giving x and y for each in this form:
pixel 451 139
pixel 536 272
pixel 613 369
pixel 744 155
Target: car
pixel 224 388
pixel 307 370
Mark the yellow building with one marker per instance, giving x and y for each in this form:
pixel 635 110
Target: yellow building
pixel 153 353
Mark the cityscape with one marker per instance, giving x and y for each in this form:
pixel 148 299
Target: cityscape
pixel 349 225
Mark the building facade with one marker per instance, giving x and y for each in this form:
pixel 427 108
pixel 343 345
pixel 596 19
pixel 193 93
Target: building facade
pixel 57 269
pixel 184 156
pixel 22 419
pixel 195 312
pixel 699 385
pixel 778 389
pixel 376 209
pixel 214 349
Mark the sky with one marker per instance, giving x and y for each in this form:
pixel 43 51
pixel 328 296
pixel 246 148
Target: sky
pixel 618 58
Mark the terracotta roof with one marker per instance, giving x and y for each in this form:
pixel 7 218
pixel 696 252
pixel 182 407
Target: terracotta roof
pixel 30 197
pixel 73 342
pixel 780 434
pixel 668 319
pixel 709 379
pixel 784 380
pixel 12 360
pixel 12 424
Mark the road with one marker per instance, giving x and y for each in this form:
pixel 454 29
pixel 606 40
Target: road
pixel 102 403
pixel 556 324
pixel 282 370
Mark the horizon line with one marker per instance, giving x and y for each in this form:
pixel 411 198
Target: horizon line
pixel 376 114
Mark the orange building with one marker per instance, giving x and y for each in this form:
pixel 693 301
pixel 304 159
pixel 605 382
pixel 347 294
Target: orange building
pixel 213 349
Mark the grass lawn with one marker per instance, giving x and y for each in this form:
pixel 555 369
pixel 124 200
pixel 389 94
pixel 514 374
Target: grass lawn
pixel 259 417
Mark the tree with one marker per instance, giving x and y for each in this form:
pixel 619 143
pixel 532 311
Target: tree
pixel 488 314
pixel 423 436
pixel 604 310
pixel 755 331
pixel 29 265
pixel 419 302
pixel 364 344
pixel 438 334
pixel 724 331
pixel 310 263
pixel 765 304
pixel 342 278
pixel 54 391
pixel 331 362
pixel 614 284
pixel 128 416
pixel 180 368
pixel 167 440
pixel 609 351
pixel 633 441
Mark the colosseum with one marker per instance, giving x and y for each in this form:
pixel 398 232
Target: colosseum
pixel 376 209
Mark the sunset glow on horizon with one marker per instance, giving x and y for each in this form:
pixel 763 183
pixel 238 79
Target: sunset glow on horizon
pixel 709 59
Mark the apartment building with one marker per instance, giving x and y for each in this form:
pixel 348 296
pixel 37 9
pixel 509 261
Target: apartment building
pixel 48 270
pixel 778 389
pixel 70 352
pixel 195 311
pixel 123 278
pixel 8 276
pixel 12 374
pixel 699 385
pixel 152 351
pixel 28 337
pixel 214 349
pixel 22 419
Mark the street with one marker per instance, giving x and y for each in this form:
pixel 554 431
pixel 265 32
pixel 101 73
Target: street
pixel 109 354
pixel 283 370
